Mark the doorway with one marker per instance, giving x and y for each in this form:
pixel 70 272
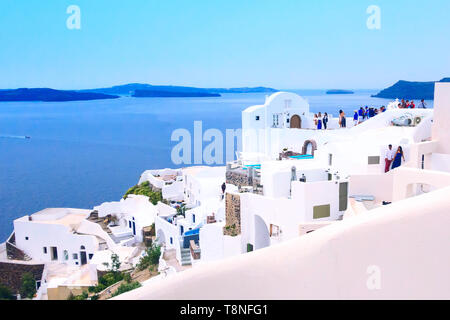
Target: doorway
pixel 83 257
pixel 296 122
pixel 54 253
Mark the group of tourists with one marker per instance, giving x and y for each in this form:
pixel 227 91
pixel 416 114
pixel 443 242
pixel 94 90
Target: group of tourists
pixel 321 122
pixel 411 105
pixel 363 114
pixel 393 159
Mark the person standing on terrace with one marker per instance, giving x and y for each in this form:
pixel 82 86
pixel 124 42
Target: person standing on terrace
pixel 388 158
pixel 319 121
pixel 224 187
pixel 422 104
pixel 325 120
pixel 355 118
pixel 342 120
pixel 403 103
pixel 360 115
pixel 398 158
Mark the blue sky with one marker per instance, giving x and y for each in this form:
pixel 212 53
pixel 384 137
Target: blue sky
pixel 213 43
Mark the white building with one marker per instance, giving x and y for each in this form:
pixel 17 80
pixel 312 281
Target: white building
pixel 395 226
pixel 132 215
pixel 202 205
pixel 57 235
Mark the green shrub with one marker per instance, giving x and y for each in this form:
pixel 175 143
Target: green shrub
pixel 125 287
pixel 94 297
pixel 5 293
pixel 145 190
pixel 107 280
pixel 127 277
pixel 28 289
pixel 110 278
pixel 82 296
pixel 151 258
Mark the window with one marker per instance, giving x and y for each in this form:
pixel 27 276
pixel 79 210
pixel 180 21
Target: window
pixel 287 103
pixel 171 240
pixel 330 159
pixel 75 256
pixel 321 211
pixel 26 238
pixel 66 255
pixel 193 218
pixel 91 255
pixel 374 160
pixel 257 118
pixel 82 248
pixel 275 120
pixel 343 196
pixel 129 224
pixel 45 250
pixel 249 247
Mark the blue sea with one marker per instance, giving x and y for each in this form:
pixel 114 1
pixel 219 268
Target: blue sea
pixel 84 153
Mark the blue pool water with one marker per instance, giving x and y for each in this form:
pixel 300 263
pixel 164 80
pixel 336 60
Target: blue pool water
pixel 84 153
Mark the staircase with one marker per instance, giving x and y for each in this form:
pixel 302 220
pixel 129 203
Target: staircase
pixel 185 257
pixel 14 253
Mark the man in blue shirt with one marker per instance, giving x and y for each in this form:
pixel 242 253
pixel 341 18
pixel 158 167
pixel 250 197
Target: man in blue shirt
pixel 360 114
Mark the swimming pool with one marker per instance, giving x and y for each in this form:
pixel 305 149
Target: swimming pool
pixel 303 156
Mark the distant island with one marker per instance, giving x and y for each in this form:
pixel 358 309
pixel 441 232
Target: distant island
pixel 132 88
pixel 339 91
pixel 171 94
pixel 50 95
pixel 410 90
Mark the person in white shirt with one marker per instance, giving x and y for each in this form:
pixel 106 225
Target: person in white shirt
pixel 423 104
pixel 388 158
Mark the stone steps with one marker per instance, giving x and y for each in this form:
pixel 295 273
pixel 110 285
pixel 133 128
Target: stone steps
pixel 186 257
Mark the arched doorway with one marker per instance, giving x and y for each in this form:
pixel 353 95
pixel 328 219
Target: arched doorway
pixel 309 147
pixel 296 122
pixel 262 237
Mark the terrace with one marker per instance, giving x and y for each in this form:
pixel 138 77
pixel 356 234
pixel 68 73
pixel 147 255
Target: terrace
pixel 246 177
